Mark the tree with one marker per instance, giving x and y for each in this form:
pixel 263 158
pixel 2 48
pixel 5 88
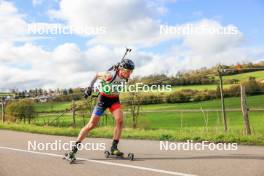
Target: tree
pixel 252 86
pixel 21 110
pixel 135 101
pixel 65 92
pixel 70 91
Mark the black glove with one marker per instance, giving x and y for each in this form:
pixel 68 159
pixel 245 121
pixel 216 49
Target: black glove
pixel 88 92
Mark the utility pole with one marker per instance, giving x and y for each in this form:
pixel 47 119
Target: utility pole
pixel 245 109
pixel 222 96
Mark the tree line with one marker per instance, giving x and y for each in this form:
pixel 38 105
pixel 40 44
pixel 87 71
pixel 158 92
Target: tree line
pixel 203 76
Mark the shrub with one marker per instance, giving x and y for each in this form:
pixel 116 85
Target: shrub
pixel 21 110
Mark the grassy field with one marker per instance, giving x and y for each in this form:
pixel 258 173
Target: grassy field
pixel 164 126
pixel 259 75
pixel 49 107
pixel 169 121
pixel 2 94
pixel 159 121
pixel 161 116
pixel 234 102
pixel 198 87
pixel 176 120
pixel 195 134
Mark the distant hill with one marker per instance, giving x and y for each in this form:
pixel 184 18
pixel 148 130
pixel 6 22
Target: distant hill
pixel 259 75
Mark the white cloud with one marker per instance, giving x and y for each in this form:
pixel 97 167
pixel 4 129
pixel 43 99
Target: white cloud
pixel 37 2
pixel 127 22
pixel 201 49
pixel 212 42
pixel 30 66
pixel 180 58
pixel 136 23
pixel 13 26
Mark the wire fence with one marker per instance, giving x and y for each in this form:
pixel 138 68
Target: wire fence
pixel 241 112
pixel 206 115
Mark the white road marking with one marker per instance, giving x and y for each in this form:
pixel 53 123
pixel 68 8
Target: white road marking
pixel 104 162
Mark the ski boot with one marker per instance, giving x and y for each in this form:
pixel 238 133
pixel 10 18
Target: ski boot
pixel 116 152
pixel 70 156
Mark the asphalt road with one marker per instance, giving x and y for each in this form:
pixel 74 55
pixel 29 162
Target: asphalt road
pixel 16 159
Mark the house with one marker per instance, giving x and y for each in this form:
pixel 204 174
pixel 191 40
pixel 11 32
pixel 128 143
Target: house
pixel 43 99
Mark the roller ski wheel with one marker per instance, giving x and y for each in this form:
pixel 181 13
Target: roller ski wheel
pixel 130 156
pixel 70 156
pixel 108 154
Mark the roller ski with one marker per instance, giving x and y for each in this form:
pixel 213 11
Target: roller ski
pixel 70 156
pixel 115 153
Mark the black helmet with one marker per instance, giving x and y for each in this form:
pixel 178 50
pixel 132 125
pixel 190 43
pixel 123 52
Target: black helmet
pixel 127 64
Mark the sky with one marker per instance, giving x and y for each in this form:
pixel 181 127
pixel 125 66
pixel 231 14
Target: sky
pixel 63 43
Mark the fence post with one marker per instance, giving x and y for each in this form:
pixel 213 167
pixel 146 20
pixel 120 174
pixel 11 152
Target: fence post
pixel 2 104
pixel 3 109
pixel 245 109
pixel 222 96
pixel 73 113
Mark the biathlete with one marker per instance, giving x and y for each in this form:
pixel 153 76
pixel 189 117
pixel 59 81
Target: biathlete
pixel 107 99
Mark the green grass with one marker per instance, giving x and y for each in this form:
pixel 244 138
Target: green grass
pixel 63 121
pixel 195 134
pixel 163 124
pixel 161 118
pixel 233 102
pixel 166 125
pixel 47 107
pixel 5 93
pixel 198 87
pixel 259 75
pixel 175 121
